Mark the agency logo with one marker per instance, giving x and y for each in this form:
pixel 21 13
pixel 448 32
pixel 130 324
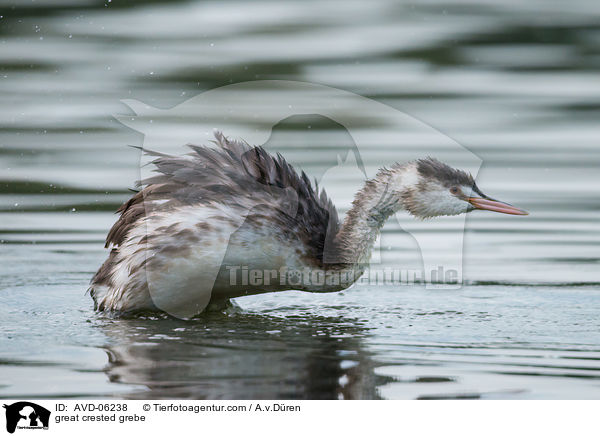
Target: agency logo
pixel 26 415
pixel 377 135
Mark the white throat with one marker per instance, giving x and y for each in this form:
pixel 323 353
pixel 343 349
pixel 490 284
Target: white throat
pixel 379 199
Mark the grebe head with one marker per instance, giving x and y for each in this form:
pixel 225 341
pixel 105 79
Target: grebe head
pixel 439 189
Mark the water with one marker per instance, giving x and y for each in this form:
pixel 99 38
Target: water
pixel 517 83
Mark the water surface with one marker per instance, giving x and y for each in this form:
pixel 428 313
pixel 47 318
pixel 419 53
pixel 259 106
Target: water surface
pixel 516 83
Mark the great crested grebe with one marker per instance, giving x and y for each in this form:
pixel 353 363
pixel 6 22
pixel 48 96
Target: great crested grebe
pixel 234 207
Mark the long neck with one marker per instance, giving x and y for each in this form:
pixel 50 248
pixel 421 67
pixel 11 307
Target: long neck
pixel 372 206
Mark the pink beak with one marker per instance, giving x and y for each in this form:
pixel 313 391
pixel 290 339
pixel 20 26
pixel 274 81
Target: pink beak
pixel 496 206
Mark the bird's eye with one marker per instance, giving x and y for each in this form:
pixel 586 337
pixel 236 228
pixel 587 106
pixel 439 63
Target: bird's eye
pixel 454 190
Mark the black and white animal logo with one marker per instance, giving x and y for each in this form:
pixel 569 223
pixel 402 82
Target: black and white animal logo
pixel 26 415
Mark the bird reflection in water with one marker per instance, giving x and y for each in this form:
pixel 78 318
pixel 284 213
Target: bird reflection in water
pixel 240 355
